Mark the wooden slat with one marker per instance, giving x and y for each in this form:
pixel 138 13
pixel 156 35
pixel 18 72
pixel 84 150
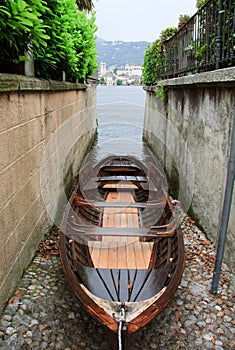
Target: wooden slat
pixel 120 185
pixel 95 253
pixel 122 256
pixel 131 258
pixel 147 250
pixel 104 255
pixel 112 255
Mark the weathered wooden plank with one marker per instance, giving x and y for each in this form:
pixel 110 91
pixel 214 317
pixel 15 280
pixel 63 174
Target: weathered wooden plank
pixel 104 255
pixel 147 251
pixel 94 248
pixel 131 258
pixel 112 262
pixel 122 256
pixel 140 261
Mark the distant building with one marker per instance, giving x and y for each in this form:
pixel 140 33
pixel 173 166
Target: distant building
pixel 109 79
pixel 130 75
pixel 133 69
pixel 121 72
pixel 103 68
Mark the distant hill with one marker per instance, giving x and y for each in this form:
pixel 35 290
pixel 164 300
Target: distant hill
pixel 119 53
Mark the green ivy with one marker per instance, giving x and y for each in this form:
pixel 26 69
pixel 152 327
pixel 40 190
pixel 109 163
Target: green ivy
pixel 154 58
pixel 150 67
pixel 161 92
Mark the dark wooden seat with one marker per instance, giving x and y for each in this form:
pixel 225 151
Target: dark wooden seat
pixel 122 178
pixel 152 232
pixel 95 205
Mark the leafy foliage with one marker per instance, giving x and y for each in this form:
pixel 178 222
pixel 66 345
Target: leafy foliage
pixel 71 48
pixel 152 55
pixel 200 3
pixel 154 59
pixel 58 36
pixel 184 18
pixel 21 27
pixel 209 35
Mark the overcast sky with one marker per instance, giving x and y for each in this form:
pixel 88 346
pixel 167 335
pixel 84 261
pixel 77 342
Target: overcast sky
pixel 135 20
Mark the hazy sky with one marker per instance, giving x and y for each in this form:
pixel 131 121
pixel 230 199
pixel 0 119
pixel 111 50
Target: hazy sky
pixel 135 20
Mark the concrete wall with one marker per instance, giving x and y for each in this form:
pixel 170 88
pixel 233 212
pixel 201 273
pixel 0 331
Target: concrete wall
pixel 45 130
pixel 189 129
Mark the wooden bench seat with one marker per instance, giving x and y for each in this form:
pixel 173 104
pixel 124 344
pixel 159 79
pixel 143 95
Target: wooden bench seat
pixel 80 202
pixel 121 178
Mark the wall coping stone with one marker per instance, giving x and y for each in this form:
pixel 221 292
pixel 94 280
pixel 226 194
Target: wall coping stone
pixel 14 82
pixel 223 77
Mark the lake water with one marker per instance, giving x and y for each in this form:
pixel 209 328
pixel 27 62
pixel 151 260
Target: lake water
pixel 120 114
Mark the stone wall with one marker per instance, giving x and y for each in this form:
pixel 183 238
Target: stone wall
pixel 45 130
pixel 189 129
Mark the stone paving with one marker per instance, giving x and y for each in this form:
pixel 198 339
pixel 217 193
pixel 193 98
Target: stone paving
pixel 43 313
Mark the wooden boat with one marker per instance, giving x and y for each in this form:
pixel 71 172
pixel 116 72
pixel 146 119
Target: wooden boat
pixel 121 244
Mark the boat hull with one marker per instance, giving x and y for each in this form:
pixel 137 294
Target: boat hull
pixel 106 289
pixel 151 308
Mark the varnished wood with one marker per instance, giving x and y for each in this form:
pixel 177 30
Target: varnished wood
pixel 120 252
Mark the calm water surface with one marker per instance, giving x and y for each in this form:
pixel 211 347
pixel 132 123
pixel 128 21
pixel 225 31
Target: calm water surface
pixel 120 114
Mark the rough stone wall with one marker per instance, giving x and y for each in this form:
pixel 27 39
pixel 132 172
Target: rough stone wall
pixel 45 130
pixel 190 132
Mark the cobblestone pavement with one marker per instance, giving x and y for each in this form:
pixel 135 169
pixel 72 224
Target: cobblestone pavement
pixel 43 313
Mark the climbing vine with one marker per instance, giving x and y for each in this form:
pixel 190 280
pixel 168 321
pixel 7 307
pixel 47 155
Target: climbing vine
pixel 155 58
pixel 161 92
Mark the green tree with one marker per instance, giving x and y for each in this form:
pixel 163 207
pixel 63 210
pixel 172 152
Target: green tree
pixel 102 81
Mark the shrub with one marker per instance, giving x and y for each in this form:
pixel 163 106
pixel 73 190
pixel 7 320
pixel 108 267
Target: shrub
pixel 21 29
pixel 58 37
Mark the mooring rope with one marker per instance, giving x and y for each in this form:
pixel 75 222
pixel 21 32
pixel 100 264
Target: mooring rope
pixel 120 336
pixel 122 324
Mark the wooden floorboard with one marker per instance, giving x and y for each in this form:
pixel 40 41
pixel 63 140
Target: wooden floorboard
pixel 120 252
